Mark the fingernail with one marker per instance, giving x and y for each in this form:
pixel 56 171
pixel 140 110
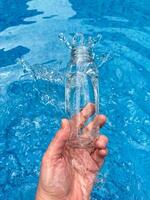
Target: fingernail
pixel 103 116
pixel 65 124
pixel 62 123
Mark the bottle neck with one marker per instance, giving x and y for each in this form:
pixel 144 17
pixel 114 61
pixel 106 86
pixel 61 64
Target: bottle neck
pixel 81 55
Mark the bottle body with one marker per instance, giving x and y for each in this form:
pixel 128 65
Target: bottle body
pixel 82 87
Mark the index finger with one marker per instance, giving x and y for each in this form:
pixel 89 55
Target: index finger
pixel 80 118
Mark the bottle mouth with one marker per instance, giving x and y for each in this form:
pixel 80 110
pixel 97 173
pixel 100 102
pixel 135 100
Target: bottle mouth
pixel 81 54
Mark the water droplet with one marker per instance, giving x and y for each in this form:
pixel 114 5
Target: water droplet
pixel 63 39
pixel 78 39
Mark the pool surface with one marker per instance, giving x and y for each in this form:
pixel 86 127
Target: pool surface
pixel 32 105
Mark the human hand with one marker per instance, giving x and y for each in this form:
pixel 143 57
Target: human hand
pixel 69 173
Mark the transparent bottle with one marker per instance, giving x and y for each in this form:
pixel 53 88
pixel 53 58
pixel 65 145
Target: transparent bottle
pixel 81 88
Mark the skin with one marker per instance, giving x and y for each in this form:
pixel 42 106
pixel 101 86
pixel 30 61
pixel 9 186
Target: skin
pixel 69 173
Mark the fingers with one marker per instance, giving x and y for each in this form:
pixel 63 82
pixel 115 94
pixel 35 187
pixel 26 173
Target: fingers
pixel 101 151
pixel 101 142
pixel 93 127
pixel 56 147
pixel 80 118
pixel 99 155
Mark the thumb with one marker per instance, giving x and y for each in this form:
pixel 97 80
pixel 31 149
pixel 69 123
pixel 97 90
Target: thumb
pixel 56 147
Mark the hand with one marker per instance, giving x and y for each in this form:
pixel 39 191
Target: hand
pixel 69 173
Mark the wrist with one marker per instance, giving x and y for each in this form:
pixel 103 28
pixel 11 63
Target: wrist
pixel 44 195
pixel 76 194
pixel 41 194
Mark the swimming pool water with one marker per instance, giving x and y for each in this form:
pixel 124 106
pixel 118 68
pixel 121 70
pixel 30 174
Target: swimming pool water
pixel 30 111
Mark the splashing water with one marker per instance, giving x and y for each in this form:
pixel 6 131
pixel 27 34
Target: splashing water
pixel 79 90
pixel 90 42
pixel 82 82
pixel 41 72
pixel 46 72
pixel 79 38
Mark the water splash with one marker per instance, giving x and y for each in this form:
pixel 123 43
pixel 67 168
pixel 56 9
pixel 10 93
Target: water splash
pixel 90 42
pixel 80 39
pixel 38 73
pixel 93 41
pixel 27 69
pixel 41 71
pixel 104 58
pixel 66 42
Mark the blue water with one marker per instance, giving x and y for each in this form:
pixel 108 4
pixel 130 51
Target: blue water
pixel 30 111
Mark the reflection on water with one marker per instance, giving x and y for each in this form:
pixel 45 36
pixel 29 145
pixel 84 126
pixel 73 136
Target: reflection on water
pixel 28 121
pixel 137 14
pixel 9 57
pixel 14 13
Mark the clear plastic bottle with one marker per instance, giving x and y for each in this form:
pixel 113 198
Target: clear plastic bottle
pixel 82 87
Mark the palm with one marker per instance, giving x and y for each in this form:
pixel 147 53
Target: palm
pixel 69 173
